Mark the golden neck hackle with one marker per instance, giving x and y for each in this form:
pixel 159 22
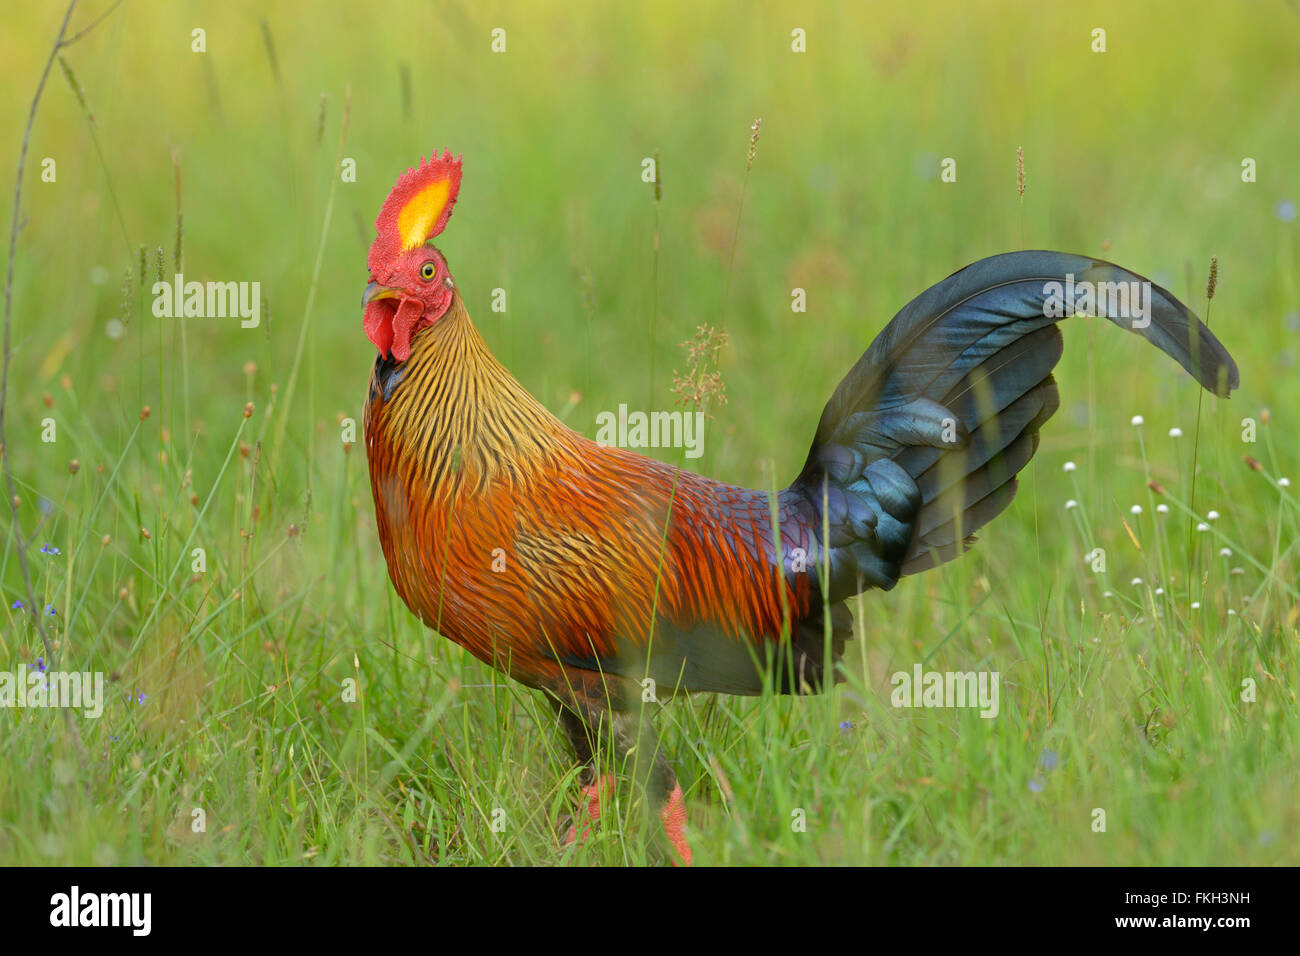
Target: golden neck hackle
pixel 458 409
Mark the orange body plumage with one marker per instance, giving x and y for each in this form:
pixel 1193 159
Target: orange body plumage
pixel 557 559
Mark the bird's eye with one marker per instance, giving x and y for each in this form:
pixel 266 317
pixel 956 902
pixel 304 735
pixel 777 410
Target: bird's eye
pixel 428 271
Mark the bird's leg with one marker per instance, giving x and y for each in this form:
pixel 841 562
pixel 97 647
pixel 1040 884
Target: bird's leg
pixel 595 789
pixel 634 735
pixel 609 710
pixel 576 733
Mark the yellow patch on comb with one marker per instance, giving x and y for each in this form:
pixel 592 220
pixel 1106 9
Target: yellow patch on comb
pixel 416 210
pixel 415 221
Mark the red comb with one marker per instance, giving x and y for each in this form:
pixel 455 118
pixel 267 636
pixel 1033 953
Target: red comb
pixel 418 207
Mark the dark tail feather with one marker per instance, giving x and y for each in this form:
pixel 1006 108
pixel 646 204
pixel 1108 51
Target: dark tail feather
pixel 923 439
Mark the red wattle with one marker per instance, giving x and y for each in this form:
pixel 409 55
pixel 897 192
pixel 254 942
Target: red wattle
pixel 378 323
pixel 408 314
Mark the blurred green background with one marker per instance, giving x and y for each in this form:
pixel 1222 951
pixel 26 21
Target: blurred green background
pixel 1140 146
pixel 1134 154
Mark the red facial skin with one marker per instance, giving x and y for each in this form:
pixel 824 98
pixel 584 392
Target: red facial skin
pixel 417 302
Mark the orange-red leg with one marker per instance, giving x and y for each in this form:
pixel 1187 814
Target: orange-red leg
pixel 596 796
pixel 673 816
pixel 629 732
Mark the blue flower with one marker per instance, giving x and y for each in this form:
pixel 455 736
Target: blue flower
pixel 1049 759
pixel 1286 210
pixel 17 605
pixel 1036 784
pixel 50 549
pixel 846 725
pixel 46 505
pixel 49 610
pixel 140 698
pixel 40 664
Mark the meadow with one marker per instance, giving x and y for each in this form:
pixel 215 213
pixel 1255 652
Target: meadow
pixel 193 512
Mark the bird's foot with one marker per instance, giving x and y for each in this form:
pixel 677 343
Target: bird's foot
pixel 596 796
pixel 673 816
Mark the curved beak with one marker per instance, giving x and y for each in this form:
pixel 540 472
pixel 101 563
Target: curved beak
pixel 376 291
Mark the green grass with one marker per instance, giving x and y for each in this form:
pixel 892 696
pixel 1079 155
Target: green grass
pixel 1135 155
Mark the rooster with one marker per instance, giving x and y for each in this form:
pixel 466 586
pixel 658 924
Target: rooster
pixel 583 570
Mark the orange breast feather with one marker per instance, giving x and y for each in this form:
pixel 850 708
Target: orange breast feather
pixel 542 552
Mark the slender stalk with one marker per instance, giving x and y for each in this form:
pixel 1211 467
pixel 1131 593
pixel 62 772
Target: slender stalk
pixel 740 211
pixel 654 284
pixel 61 41
pixel 1211 286
pixel 311 293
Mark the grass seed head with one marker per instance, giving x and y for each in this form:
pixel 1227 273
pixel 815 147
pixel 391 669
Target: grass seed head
pixel 702 383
